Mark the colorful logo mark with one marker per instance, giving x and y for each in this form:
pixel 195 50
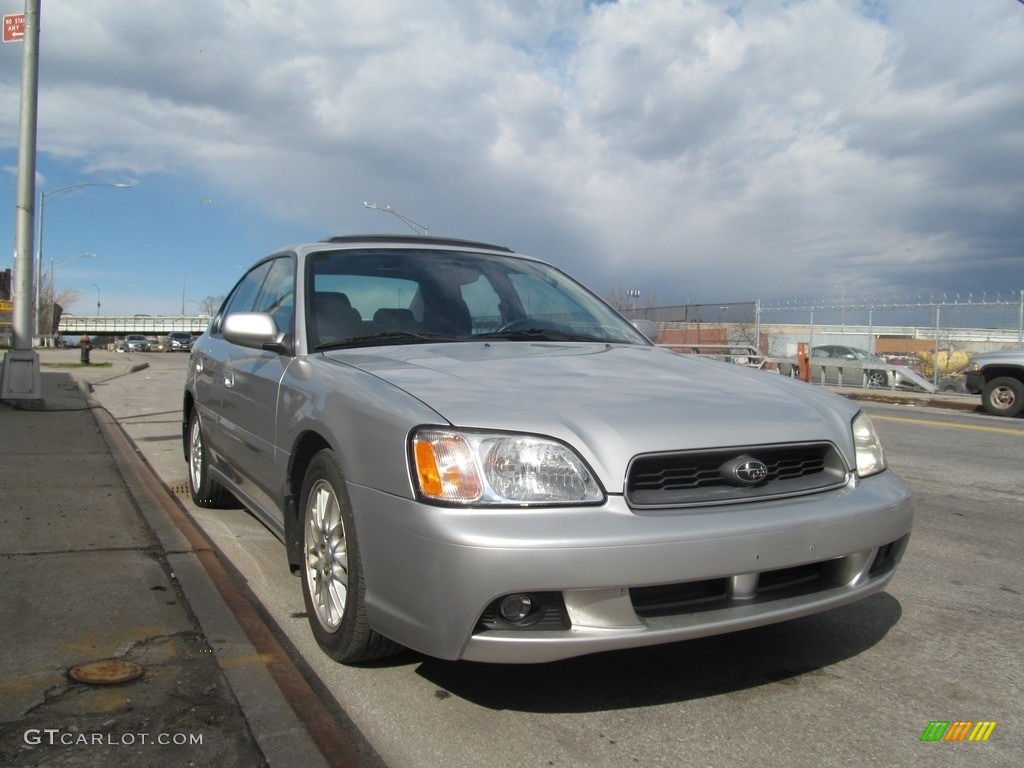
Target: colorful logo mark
pixel 958 730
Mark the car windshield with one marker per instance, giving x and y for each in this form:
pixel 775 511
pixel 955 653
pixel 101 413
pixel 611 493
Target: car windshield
pixel 364 297
pixel 865 355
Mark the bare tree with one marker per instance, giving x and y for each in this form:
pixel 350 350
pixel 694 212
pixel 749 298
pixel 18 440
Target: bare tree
pixel 210 304
pixel 51 303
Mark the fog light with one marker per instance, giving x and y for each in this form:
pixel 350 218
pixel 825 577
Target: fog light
pixel 515 607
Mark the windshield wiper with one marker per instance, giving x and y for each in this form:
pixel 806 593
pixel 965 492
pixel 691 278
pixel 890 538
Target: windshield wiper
pixel 386 338
pixel 544 334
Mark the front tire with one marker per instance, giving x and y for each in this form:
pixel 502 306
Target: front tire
pixel 1003 396
pixel 333 587
pixel 877 380
pixel 205 491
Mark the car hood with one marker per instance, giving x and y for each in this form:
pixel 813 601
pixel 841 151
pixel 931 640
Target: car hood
pixel 1012 356
pixel 610 402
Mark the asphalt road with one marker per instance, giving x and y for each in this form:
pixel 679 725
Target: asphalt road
pixel 854 686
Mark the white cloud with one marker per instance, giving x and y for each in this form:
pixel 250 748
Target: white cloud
pixel 746 147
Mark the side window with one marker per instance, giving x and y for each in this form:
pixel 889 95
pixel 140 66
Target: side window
pixel 243 295
pixel 277 294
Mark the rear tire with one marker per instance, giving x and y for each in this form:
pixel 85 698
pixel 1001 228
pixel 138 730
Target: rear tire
pixel 333 587
pixel 1003 396
pixel 205 491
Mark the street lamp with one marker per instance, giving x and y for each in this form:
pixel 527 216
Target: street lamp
pixel 633 294
pixel 44 198
pixel 97 299
pixel 414 226
pixel 53 287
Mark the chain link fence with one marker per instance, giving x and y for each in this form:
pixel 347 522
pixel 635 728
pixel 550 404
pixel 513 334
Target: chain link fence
pixel 933 336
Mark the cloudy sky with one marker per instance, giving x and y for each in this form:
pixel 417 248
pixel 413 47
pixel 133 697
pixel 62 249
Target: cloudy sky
pixel 692 149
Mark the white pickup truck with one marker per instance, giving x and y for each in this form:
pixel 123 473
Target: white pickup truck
pixel 999 378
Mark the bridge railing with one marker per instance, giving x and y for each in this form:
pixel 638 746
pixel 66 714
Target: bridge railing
pixel 159 325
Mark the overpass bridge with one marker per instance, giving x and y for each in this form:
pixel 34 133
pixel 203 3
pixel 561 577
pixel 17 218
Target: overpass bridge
pixel 147 325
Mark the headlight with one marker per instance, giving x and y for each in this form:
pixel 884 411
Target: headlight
pixel 870 456
pixel 487 468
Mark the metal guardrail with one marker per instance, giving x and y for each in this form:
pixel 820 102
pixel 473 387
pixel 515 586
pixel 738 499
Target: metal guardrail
pixel 847 373
pixel 730 353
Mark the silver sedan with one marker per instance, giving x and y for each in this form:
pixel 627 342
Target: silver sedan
pixel 467 453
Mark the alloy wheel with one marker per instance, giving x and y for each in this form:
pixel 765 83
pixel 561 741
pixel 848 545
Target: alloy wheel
pixel 326 551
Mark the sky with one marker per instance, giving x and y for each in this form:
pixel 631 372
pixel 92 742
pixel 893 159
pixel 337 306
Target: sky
pixel 693 150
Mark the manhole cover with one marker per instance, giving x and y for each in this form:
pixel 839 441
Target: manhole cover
pixel 106 672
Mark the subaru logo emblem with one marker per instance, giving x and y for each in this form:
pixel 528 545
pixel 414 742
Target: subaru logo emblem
pixel 744 471
pixel 751 472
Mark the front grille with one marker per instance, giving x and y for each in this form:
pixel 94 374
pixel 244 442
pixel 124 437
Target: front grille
pixel 692 596
pixel 670 599
pixel 700 477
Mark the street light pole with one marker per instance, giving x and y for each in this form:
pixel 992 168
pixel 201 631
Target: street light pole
pixel 19 379
pixel 97 299
pixel 44 198
pixel 414 226
pixel 26 179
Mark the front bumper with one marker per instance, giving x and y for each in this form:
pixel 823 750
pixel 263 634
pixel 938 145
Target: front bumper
pixel 431 572
pixel 974 381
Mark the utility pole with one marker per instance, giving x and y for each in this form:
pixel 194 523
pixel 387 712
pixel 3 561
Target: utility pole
pixel 20 379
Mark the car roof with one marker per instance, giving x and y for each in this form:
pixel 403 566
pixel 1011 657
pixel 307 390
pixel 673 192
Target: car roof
pixel 415 240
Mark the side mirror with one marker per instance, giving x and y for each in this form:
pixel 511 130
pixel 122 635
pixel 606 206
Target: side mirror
pixel 256 330
pixel 648 328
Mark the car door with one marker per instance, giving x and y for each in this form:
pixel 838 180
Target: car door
pixel 249 402
pixel 208 361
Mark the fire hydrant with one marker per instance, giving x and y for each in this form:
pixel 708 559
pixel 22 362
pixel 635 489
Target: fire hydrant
pixel 85 343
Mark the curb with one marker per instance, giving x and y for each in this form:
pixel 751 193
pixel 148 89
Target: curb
pixel 291 724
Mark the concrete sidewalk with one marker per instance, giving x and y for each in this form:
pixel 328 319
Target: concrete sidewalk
pixel 89 571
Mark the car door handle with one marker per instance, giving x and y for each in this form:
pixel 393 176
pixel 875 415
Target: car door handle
pixel 229 379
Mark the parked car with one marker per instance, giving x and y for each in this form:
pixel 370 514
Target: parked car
pixel 135 342
pixel 178 341
pixel 467 453
pixel 999 378
pixel 840 365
